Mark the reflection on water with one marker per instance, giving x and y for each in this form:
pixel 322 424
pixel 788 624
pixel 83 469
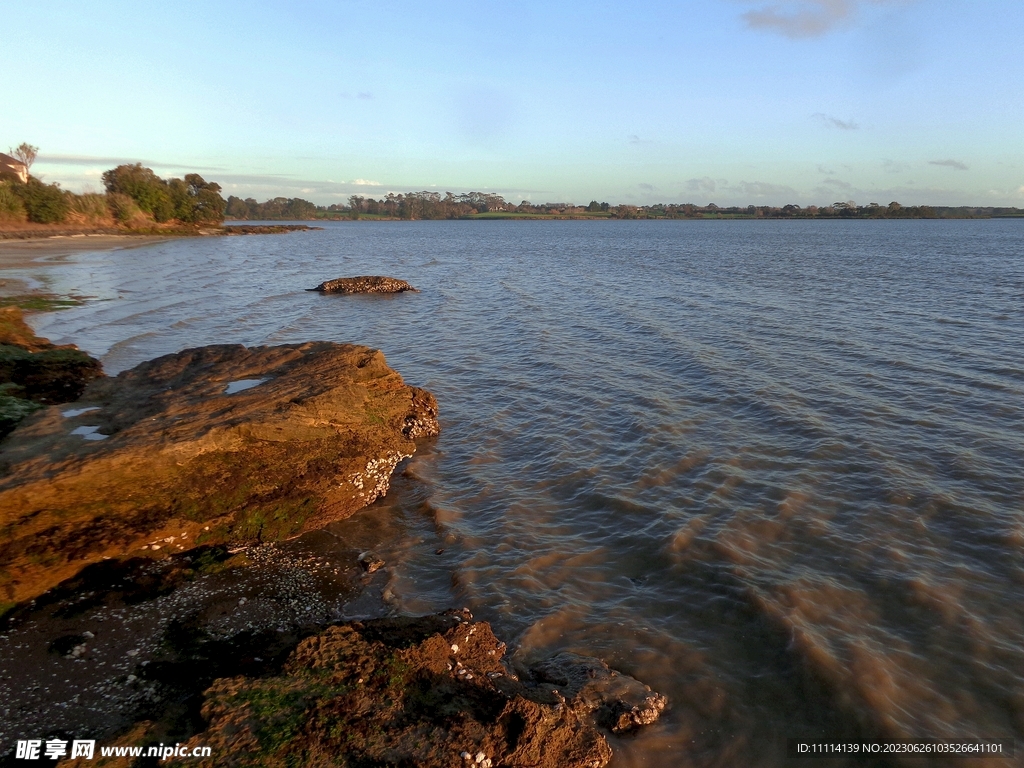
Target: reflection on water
pixel 773 468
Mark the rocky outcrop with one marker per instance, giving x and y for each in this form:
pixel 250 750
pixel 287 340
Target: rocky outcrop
pixel 433 692
pixel 221 444
pixel 363 284
pixel 34 372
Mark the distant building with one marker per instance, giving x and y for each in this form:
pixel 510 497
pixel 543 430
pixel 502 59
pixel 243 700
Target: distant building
pixel 12 169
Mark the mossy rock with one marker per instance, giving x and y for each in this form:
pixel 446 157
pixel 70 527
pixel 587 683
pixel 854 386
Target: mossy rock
pixel 13 410
pixel 57 375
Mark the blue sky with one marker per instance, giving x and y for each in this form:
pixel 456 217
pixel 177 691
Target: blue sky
pixel 730 101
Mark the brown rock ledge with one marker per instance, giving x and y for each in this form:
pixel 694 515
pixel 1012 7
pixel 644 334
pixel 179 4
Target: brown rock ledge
pixel 165 458
pixel 430 692
pixel 363 284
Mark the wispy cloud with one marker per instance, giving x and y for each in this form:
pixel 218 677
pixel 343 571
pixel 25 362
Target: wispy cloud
pixel 835 122
pixel 805 18
pixel 891 166
pixel 949 163
pixel 706 185
pixel 762 189
pixel 829 189
pixel 110 162
pixel 647 187
pixel 365 183
pixel 742 191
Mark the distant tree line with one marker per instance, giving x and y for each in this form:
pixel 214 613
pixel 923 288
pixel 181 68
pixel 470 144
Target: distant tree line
pixel 277 209
pixel 414 205
pixel 433 205
pixel 135 197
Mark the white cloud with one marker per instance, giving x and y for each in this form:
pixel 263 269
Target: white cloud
pixel 365 183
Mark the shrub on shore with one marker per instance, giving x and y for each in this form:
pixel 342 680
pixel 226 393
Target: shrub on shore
pixel 44 203
pixel 143 186
pixel 191 200
pixel 11 208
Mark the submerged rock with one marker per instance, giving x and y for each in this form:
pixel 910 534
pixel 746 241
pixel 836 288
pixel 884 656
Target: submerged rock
pixel 34 372
pixel 370 562
pixel 620 703
pixel 160 458
pixel 363 284
pixel 431 692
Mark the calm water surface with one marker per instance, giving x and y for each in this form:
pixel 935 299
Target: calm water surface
pixel 772 468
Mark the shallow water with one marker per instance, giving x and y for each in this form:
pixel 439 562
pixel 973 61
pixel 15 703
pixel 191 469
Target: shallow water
pixel 772 468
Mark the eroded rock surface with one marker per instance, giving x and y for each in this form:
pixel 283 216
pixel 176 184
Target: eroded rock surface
pixel 364 284
pixel 162 453
pixel 431 692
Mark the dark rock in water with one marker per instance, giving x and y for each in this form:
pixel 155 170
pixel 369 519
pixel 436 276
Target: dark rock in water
pixel 34 372
pixel 620 703
pixel 370 562
pixel 160 457
pixel 431 692
pixel 363 284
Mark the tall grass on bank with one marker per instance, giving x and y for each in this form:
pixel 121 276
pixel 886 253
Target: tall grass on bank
pixel 126 211
pixel 89 209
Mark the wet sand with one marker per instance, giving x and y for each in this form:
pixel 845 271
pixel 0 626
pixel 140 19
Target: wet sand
pixel 43 251
pixel 24 254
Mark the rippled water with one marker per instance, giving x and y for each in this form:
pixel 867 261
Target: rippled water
pixel 772 468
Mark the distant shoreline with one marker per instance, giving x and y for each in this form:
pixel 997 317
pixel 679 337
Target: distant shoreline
pixel 43 232
pixel 583 217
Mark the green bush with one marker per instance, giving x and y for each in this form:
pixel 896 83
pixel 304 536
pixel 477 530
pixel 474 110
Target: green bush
pixel 191 201
pixel 11 208
pixel 143 186
pixel 196 201
pixel 44 203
